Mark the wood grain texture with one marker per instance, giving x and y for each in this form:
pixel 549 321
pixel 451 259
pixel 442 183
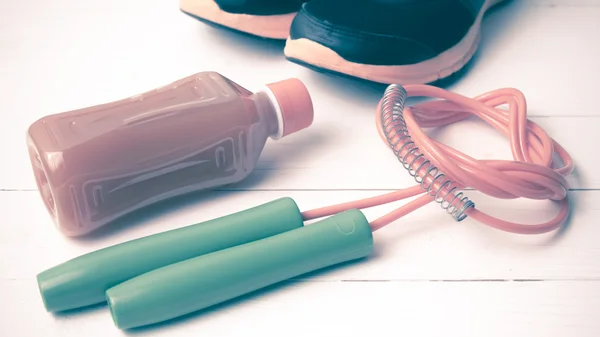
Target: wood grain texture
pixel 466 309
pixel 425 245
pixel 351 155
pixel 52 68
pixel 428 276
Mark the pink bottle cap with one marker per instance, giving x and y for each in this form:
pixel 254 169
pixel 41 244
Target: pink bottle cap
pixel 295 105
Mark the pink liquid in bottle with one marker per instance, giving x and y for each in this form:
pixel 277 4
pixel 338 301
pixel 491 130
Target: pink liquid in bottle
pixel 96 164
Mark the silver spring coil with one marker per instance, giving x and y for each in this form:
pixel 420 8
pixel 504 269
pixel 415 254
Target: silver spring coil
pixel 426 174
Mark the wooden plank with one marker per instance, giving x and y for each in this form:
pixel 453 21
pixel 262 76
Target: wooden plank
pixel 564 308
pixel 523 47
pixel 563 3
pixel 425 245
pixel 341 150
pixel 352 156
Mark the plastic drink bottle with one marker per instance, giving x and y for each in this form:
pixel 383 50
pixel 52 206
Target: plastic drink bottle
pixel 96 164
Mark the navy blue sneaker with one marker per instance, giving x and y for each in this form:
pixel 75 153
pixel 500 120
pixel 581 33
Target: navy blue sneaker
pixel 387 41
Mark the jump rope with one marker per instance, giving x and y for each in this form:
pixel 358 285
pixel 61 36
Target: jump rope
pixel 442 172
pixel 170 274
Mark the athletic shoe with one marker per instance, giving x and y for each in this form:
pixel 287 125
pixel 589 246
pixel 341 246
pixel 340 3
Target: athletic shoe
pixel 387 41
pixel 264 18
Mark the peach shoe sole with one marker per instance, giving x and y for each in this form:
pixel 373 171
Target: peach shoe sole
pixel 269 26
pixel 440 67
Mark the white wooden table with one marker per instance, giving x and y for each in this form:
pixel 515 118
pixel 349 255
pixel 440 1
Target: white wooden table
pixel 429 276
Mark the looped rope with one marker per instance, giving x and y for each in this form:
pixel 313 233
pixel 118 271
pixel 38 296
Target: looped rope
pixel 441 171
pixel 530 175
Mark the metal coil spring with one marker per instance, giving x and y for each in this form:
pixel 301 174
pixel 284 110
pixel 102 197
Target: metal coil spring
pixel 433 181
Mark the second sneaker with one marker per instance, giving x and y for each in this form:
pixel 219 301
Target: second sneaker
pixel 387 41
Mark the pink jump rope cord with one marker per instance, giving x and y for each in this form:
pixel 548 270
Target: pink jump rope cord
pixel 442 171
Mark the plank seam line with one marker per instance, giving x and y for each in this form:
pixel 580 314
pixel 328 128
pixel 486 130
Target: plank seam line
pixel 499 280
pixel 297 190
